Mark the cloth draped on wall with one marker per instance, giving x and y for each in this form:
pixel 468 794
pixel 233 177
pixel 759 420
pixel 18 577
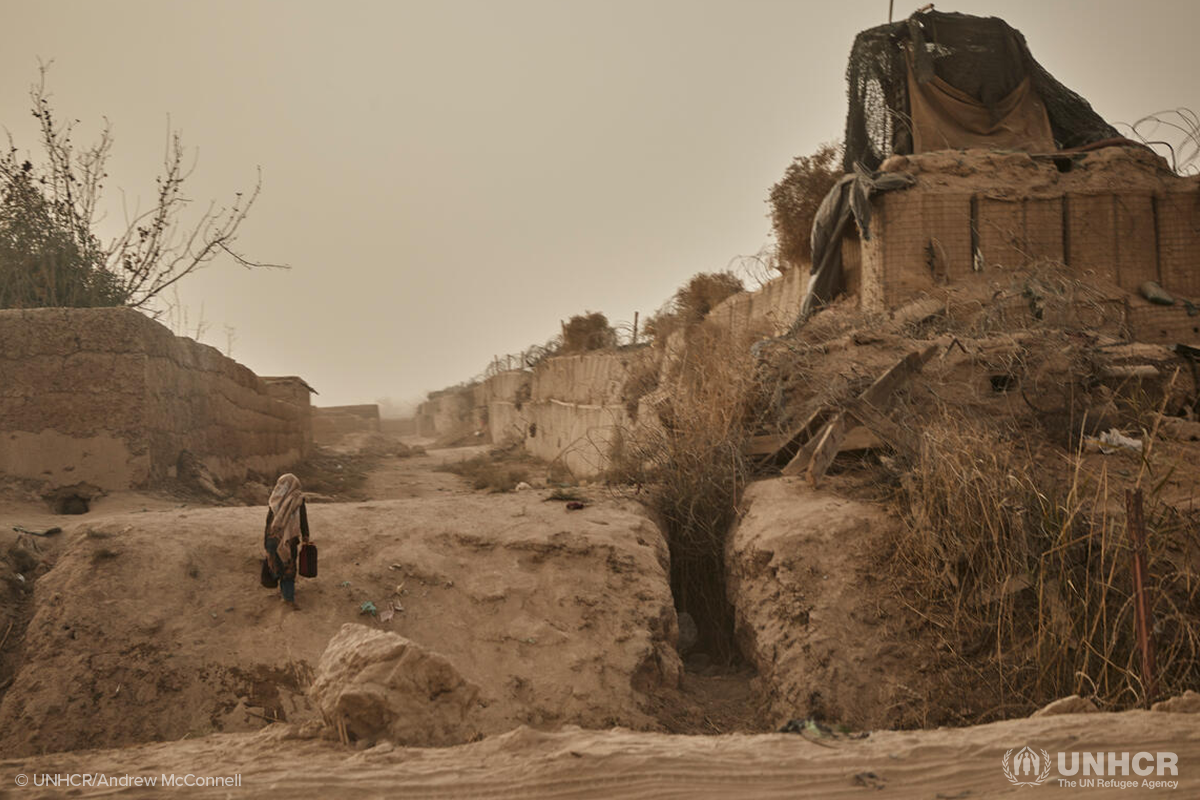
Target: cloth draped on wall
pixel 848 202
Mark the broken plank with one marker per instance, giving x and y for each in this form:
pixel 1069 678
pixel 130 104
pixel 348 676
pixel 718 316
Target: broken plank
pixel 896 376
pixel 800 461
pixel 861 437
pixel 805 431
pixel 895 436
pixel 827 449
pixel 767 444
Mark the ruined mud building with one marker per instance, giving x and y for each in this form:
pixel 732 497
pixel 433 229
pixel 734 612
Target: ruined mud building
pixel 999 166
pixel 106 398
pixel 965 160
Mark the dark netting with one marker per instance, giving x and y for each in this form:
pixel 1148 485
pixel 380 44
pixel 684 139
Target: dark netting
pixel 982 56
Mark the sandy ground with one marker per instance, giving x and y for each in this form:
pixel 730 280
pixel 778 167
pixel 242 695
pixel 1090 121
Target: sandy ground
pixel 959 764
pixel 79 686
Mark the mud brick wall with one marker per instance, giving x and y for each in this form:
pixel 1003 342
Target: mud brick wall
pixel 109 397
pixel 918 240
pixel 772 308
pixel 451 413
pixel 1178 217
pixel 922 239
pixel 293 389
pixel 1162 324
pixel 402 426
pixel 331 423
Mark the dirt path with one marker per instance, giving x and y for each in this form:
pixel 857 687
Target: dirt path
pixel 958 764
pixel 401 478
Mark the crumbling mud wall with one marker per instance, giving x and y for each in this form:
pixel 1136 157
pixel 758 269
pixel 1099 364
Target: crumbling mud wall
pixel 578 411
pixel 295 390
pixel 507 395
pixel 331 423
pixel 822 630
pixel 452 413
pixel 108 397
pixel 773 307
pixel 557 620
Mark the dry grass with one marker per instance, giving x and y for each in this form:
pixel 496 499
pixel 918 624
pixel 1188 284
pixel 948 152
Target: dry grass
pixel 692 302
pixel 497 471
pixel 590 331
pixel 1028 577
pixel 690 472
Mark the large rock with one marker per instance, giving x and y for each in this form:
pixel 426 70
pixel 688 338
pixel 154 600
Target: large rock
pixel 1074 704
pixel 1186 703
pixel 385 687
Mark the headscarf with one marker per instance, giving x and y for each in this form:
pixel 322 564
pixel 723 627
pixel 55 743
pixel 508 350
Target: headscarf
pixel 285 502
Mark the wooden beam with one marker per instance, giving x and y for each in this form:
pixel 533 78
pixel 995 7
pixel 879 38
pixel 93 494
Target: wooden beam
pixel 767 444
pixel 827 449
pixel 800 461
pixel 774 444
pixel 816 455
pixel 899 373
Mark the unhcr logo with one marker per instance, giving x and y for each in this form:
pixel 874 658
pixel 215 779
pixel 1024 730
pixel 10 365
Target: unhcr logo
pixel 1028 767
pixel 1126 770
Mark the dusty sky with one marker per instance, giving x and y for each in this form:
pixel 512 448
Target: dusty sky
pixel 448 179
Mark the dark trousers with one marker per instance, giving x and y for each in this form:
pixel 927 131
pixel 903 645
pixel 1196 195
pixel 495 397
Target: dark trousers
pixel 286 573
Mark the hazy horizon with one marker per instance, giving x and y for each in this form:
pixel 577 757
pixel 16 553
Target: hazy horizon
pixel 449 180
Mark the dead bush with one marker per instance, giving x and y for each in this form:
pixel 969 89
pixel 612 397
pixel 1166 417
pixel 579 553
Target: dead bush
pixel 1028 577
pixel 495 473
pixel 692 302
pixel 796 198
pixel 588 331
pixel 641 381
pixel 690 472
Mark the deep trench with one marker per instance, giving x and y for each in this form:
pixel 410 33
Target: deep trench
pixel 698 588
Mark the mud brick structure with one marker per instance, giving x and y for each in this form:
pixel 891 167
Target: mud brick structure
pixel 111 398
pixel 1115 218
pixel 295 390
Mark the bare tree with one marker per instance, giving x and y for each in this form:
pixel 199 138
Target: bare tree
pixel 155 249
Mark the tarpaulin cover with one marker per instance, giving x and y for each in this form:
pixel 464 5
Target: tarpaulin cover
pixel 946 118
pixel 849 200
pixel 982 59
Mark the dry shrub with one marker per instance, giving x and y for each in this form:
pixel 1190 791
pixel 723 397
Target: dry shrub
pixel 641 380
pixel 1029 579
pixel 691 466
pixel 589 331
pixel 692 302
pixel 496 473
pixel 796 198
